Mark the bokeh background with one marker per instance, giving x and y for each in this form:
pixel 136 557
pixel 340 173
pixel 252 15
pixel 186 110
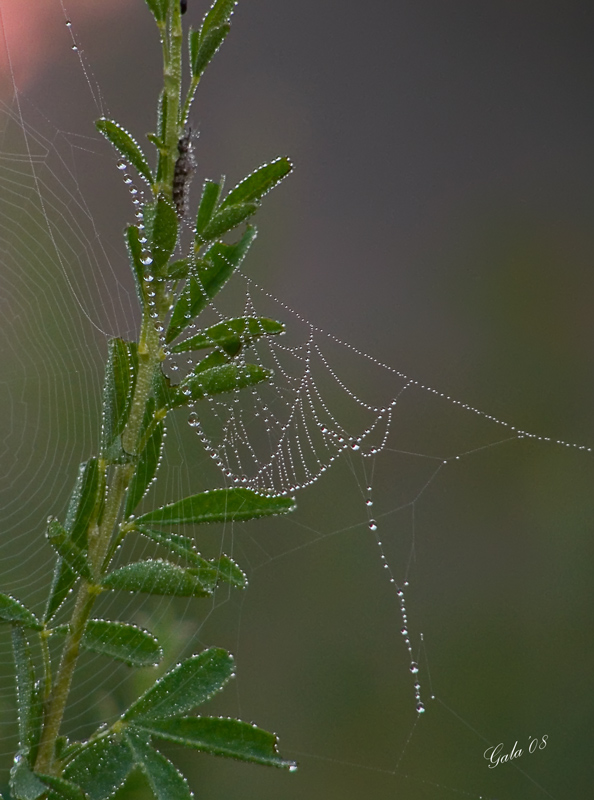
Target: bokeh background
pixel 439 218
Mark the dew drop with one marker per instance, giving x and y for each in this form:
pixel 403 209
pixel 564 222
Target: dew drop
pixel 293 768
pixel 147 261
pixel 355 446
pixel 121 164
pixel 74 47
pixel 414 667
pixel 369 502
pixel 372 525
pixel 404 632
pixel 421 708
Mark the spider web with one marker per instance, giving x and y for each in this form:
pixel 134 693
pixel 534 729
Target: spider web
pixel 355 639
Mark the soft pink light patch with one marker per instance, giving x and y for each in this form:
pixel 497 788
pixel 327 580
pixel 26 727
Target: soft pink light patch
pixel 32 33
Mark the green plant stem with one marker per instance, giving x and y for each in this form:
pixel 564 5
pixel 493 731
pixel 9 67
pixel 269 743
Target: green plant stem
pixel 149 358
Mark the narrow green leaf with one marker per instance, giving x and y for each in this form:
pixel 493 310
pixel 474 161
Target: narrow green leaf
pixel 219 505
pixel 86 495
pixel 231 335
pixel 218 358
pixel 231 738
pixel 120 377
pixel 146 469
pixel 219 13
pixel 258 183
pixel 186 686
pixel 161 231
pixel 28 712
pixel 178 270
pixel 127 146
pixel 210 197
pixel 24 784
pixel 122 641
pixel 135 255
pixel 156 577
pixel 213 272
pixel 85 502
pixel 165 780
pixel 226 219
pixel 101 767
pixel 71 554
pixel 175 543
pixel 210 572
pixel 219 380
pixel 159 9
pixel 204 48
pixel 12 610
pixel 61 788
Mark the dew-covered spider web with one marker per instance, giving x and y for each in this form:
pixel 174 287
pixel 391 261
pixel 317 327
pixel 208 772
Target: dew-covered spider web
pixel 424 602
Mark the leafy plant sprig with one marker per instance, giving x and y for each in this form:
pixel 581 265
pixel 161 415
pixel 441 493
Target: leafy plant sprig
pixel 137 397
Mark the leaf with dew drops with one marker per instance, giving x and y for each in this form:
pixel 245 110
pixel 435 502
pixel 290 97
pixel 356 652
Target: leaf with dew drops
pixel 220 380
pixel 219 505
pixel 185 687
pixel 258 183
pixel 165 780
pixel 126 145
pixel 219 736
pixel 12 610
pixel 146 469
pixel 212 273
pixel 231 334
pixel 120 378
pixel 157 577
pixel 100 767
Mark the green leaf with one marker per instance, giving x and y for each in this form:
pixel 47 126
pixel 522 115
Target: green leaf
pixel 165 780
pixel 226 219
pixel 231 738
pixel 219 505
pixel 12 610
pixel 28 705
pixel 71 554
pixel 231 335
pixel 135 255
pixel 258 183
pixel 210 572
pixel 146 469
pixel 128 147
pixel 157 577
pixel 186 686
pixel 214 270
pixel 178 270
pixel 61 788
pixel 120 377
pixel 85 503
pixel 101 767
pixel 24 784
pixel 122 641
pixel 161 231
pixel 210 197
pixel 203 48
pixel 219 380
pixel 159 9
pixel 86 496
pixel 219 13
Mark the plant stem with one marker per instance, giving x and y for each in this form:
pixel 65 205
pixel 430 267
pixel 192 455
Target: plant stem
pixel 149 357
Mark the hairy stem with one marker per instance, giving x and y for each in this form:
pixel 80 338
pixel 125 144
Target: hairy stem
pixel 149 357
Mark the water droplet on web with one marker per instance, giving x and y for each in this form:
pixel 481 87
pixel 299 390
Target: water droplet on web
pixel 74 47
pixel 121 164
pixel 293 768
pixel 355 446
pixel 421 708
pixel 404 632
pixel 193 420
pixel 372 525
pixel 68 23
pixel 369 502
pixel 147 261
pixel 414 667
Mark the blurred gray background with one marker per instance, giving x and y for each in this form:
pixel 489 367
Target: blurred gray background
pixel 439 218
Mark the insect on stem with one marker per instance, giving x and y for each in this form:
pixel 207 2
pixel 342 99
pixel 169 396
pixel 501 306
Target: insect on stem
pixel 183 172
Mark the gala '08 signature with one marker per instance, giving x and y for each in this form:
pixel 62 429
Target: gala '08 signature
pixel 495 755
